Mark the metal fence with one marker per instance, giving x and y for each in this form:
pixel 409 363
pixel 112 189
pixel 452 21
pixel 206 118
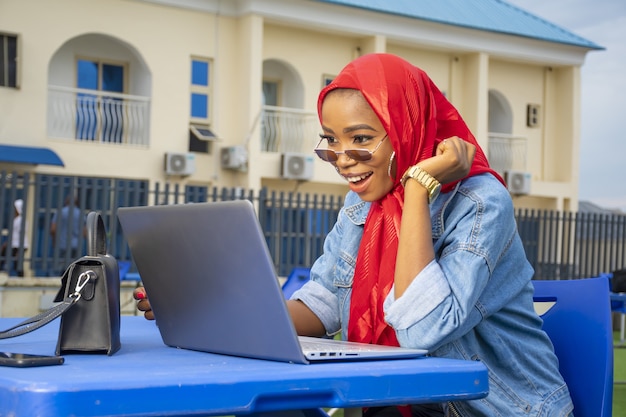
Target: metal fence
pixel 294 224
pixel 560 245
pixel 563 245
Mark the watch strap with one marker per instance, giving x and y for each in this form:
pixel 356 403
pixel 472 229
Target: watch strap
pixel 425 179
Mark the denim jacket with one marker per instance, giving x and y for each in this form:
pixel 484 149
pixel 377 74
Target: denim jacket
pixel 474 301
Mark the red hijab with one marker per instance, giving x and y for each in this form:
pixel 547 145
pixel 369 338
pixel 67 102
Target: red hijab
pixel 416 116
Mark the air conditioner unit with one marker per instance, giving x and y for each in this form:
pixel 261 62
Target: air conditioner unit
pixel 180 163
pixel 297 166
pixel 518 182
pixel 234 157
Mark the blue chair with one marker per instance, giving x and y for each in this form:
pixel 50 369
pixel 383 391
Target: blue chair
pixel 125 275
pixel 579 325
pixel 123 267
pixel 296 279
pixel 618 304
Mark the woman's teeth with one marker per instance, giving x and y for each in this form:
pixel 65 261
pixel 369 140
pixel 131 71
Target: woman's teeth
pixel 358 177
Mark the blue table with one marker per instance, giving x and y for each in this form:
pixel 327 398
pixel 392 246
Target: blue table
pixel 147 378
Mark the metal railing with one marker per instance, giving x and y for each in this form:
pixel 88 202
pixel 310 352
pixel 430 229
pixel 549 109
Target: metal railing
pixel 563 245
pixel 559 245
pixel 99 116
pixel 91 115
pixel 507 152
pixel 288 130
pixel 295 225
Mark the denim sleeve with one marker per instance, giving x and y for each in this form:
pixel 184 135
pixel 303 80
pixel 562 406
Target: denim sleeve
pixel 323 303
pixel 327 293
pixel 480 268
pixel 428 290
pixel 320 293
pixel 435 309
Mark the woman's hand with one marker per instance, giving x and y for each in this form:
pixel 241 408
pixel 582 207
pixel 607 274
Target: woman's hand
pixel 452 161
pixel 143 304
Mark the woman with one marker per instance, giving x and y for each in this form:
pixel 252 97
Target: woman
pixel 415 264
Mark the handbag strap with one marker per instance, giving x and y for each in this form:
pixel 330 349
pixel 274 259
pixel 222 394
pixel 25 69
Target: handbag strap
pixel 96 235
pixel 45 317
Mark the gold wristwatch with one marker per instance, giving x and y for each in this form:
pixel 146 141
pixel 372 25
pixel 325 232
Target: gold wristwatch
pixel 425 179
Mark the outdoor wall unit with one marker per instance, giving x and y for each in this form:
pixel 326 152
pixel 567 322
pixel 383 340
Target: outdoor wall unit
pixel 180 163
pixel 234 157
pixel 518 182
pixel 297 166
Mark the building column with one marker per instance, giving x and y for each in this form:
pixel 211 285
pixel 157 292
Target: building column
pixel 474 103
pixel 372 44
pixel 250 58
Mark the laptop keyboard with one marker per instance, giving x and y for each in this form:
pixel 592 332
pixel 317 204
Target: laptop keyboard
pixel 318 344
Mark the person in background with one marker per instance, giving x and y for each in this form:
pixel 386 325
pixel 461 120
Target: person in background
pixel 65 229
pixel 425 252
pixel 15 243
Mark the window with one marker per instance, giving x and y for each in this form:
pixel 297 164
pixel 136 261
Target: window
pixel 200 91
pixel 200 133
pixel 196 194
pixel 100 116
pixel 99 75
pixel 201 138
pixel 203 133
pixel 271 92
pixel 327 79
pixel 8 60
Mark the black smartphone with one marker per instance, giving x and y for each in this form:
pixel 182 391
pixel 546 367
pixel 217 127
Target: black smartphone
pixel 24 360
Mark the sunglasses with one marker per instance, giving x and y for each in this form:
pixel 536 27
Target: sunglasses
pixel 360 155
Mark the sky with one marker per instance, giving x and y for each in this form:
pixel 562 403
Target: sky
pixel 603 90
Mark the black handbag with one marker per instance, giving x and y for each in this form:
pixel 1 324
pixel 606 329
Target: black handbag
pixel 89 300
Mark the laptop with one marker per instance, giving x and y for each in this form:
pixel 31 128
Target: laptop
pixel 212 285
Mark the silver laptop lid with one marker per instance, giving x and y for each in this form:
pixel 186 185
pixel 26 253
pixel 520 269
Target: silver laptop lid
pixel 210 280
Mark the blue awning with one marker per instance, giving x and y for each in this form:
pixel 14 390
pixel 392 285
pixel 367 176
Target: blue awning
pixel 29 155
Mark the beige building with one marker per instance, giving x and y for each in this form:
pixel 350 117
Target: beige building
pixel 223 92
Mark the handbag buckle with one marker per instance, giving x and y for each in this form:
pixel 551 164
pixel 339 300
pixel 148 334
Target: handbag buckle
pixel 82 280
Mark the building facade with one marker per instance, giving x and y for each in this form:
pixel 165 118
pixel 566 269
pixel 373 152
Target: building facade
pixel 204 93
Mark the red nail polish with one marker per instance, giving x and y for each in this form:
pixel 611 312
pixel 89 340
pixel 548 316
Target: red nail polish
pixel 140 296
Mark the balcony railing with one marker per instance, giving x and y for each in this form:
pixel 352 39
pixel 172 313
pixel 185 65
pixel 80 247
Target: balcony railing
pixel 98 116
pixel 507 152
pixel 288 130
